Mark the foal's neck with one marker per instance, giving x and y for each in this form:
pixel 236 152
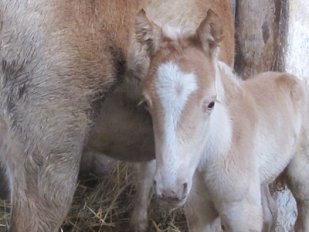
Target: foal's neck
pixel 231 82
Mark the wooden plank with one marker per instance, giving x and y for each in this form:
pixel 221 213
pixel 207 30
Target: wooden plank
pixel 297 47
pixel 272 35
pixel 233 6
pixel 259 25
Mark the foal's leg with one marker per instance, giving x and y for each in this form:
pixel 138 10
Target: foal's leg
pixel 270 210
pixel 144 176
pixel 201 215
pixel 200 212
pixel 244 215
pixel 298 180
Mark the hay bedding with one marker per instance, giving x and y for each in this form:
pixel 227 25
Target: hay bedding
pixel 105 204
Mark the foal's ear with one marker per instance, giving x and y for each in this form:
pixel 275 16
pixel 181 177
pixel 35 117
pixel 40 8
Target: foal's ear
pixel 147 32
pixel 210 32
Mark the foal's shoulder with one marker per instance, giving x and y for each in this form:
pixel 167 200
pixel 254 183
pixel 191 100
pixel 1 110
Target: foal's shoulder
pixel 291 84
pixel 283 82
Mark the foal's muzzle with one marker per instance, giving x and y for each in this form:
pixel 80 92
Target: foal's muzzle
pixel 173 196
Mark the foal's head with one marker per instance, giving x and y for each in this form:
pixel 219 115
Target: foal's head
pixel 181 94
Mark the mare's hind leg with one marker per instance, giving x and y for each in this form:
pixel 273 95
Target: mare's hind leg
pixel 4 186
pixel 144 176
pixel 43 172
pixel 298 181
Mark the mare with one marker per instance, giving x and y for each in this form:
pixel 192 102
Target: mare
pixel 58 59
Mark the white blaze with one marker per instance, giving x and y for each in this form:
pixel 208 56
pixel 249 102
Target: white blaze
pixel 173 87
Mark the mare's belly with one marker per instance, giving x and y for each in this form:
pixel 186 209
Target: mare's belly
pixel 122 131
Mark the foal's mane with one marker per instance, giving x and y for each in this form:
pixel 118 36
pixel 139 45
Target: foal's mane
pixel 228 72
pixel 230 81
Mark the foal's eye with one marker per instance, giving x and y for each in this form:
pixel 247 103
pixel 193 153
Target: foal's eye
pixel 211 105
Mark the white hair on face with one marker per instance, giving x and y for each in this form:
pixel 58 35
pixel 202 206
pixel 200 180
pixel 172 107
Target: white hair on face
pixel 173 87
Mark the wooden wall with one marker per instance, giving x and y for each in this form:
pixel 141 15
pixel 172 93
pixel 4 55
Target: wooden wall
pixel 260 29
pixel 297 37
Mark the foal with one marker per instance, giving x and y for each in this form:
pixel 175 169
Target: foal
pixel 219 139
